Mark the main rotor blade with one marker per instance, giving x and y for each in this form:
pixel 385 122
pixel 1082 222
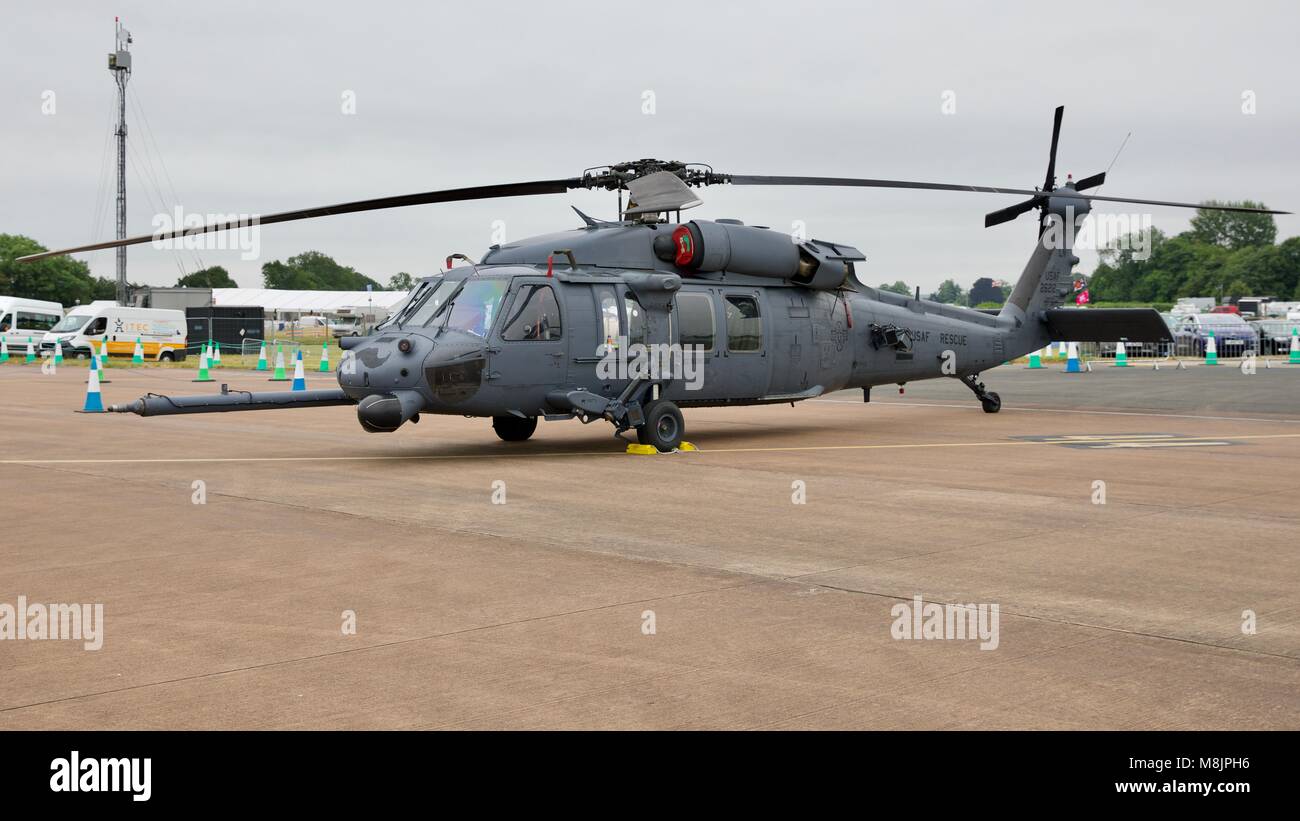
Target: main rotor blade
pixel 853 182
pixel 482 192
pixel 1050 182
pixel 1061 192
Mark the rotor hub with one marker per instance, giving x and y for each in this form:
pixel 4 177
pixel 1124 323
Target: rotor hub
pixel 616 177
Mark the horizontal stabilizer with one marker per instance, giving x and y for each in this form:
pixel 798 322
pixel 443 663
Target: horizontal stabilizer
pixel 1107 325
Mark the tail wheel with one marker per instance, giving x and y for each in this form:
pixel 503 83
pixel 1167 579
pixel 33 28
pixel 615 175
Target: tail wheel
pixel 513 428
pixel 663 428
pixel 992 402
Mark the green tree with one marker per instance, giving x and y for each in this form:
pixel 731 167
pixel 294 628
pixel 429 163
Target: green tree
pixel 58 279
pixel 1288 265
pixel 949 292
pixel 1204 272
pixel 401 281
pixel 314 271
pixel 1234 229
pixel 214 277
pixel 899 287
pixel 1260 270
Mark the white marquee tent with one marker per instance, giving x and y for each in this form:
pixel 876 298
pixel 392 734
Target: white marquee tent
pixel 282 303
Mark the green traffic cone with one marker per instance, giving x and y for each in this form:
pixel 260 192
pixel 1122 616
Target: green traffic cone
pixel 203 367
pixel 1295 347
pixel 261 357
pixel 4 349
pixel 325 357
pixel 1036 360
pixel 1211 349
pixel 101 359
pixel 1121 355
pixel 137 358
pixel 58 352
pixel 279 375
pixel 31 352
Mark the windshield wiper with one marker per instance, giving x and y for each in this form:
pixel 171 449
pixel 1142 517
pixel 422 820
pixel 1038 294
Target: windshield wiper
pixel 446 306
pixel 411 307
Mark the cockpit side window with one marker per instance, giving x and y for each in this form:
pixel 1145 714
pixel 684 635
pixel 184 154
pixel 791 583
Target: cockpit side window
pixel 475 307
pixel 534 315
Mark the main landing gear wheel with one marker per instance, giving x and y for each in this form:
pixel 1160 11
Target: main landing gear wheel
pixel 663 428
pixel 514 429
pixel 990 401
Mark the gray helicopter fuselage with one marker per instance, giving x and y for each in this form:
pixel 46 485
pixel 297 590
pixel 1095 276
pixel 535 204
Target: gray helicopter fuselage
pixel 560 308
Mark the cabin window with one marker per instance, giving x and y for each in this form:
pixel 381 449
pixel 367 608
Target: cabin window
pixel 534 315
pixel 607 330
pixel 744 325
pixel 695 317
pixel 97 327
pixel 37 322
pixel 635 320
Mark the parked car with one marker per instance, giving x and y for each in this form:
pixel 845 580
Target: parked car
pixel 347 327
pixel 23 319
pixel 1274 335
pixel 1232 335
pixel 1141 350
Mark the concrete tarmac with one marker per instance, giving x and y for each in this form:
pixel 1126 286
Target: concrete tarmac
pixel 675 591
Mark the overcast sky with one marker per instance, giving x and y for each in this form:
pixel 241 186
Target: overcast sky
pixel 245 104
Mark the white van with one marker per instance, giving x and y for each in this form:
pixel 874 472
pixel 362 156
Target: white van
pixel 23 318
pixel 161 330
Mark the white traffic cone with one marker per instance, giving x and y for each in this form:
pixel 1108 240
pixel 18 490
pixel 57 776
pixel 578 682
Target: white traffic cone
pixel 299 378
pixel 94 402
pixel 1072 363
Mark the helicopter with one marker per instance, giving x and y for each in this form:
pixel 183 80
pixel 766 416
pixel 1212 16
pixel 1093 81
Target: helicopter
pixel 629 321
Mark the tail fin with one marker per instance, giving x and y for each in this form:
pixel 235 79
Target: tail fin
pixel 1045 283
pixel 1033 314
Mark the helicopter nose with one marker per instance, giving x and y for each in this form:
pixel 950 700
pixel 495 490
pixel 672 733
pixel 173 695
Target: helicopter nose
pixel 386 362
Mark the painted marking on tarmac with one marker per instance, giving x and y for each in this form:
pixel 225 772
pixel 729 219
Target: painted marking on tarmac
pixel 1102 441
pixel 966 406
pixel 557 454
